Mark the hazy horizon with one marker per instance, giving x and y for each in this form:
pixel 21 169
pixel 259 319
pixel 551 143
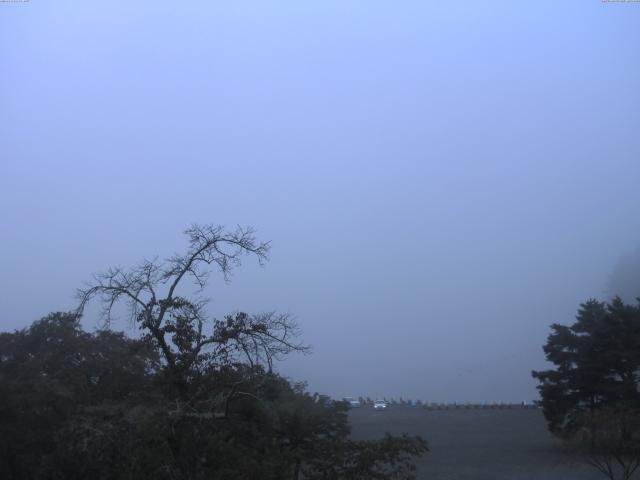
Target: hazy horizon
pixel 440 181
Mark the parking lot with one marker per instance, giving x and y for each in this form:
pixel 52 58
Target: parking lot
pixel 477 444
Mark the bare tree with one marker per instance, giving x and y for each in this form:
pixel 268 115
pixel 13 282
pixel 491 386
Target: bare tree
pixel 608 439
pixel 176 324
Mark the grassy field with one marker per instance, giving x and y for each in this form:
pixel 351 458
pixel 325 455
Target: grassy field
pixel 477 444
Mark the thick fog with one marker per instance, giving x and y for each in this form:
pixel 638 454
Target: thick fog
pixel 440 181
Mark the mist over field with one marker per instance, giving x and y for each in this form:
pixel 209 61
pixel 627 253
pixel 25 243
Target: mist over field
pixel 440 181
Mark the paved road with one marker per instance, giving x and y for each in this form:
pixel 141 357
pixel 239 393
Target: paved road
pixel 510 444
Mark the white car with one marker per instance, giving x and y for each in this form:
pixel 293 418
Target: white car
pixel 380 405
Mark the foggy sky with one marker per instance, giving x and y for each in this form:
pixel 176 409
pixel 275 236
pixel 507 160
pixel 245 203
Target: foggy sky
pixel 440 181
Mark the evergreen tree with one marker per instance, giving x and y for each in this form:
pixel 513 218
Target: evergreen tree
pixel 597 364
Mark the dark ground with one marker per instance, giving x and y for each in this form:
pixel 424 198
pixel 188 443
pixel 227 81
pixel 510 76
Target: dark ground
pixel 477 444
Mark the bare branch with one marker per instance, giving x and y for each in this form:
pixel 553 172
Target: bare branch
pixel 175 324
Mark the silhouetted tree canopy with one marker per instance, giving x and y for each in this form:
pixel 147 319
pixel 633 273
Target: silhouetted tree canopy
pixel 192 398
pixel 597 363
pixel 53 371
pixel 591 397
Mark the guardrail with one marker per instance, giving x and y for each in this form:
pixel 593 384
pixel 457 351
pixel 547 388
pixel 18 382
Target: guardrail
pixel 457 406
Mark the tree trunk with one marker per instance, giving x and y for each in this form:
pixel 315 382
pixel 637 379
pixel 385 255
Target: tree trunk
pixel 296 470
